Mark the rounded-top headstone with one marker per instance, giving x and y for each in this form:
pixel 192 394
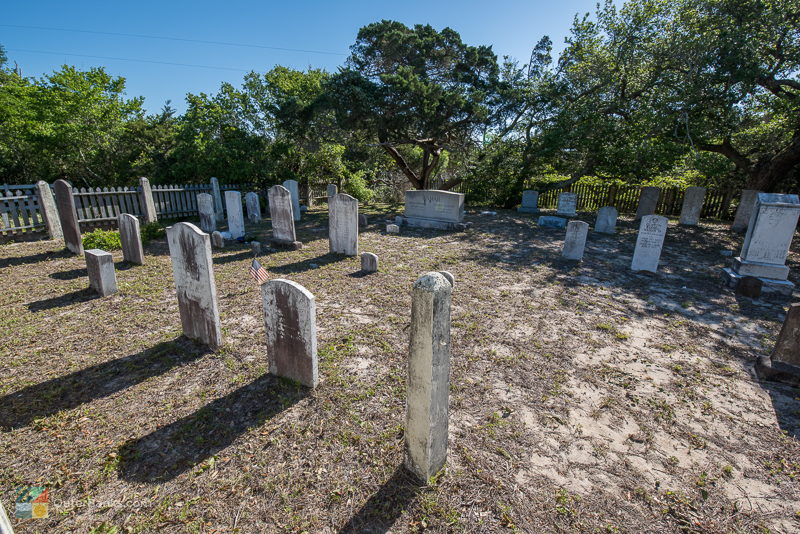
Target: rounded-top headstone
pixel 369 262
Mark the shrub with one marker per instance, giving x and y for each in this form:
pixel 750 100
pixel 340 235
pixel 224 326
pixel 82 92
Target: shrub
pixel 152 230
pixel 102 239
pixel 357 187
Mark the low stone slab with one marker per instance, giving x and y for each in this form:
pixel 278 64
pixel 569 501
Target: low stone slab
pixel 769 285
pixel 100 268
pixel 652 231
pixel 68 217
pixel 692 207
pixel 369 262
pixel 548 221
pixel 205 207
pixel 131 238
pixel 433 208
pixel 606 222
pixel 253 207
pixel 290 321
pixel 567 204
pixel 575 240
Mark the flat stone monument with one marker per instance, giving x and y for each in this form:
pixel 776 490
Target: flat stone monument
pixel 575 240
pixel 427 396
pixel 692 207
pixel 253 207
pixel 343 225
pixel 47 204
pixel 606 222
pixel 744 210
pixel 233 202
pixel 648 202
pixel 205 207
pixel 530 202
pixel 294 189
pixel 567 204
pixel 649 242
pixel 190 251
pixel 767 242
pixel 131 238
pixel 218 210
pixel 548 221
pixel 68 216
pixel 369 262
pixel 434 209
pixel 290 312
pixel 100 268
pixel 280 212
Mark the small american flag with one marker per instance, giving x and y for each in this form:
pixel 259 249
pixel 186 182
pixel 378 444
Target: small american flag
pixel 258 272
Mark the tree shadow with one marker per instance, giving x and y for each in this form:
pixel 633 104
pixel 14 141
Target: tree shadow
pixel 177 447
pixel 66 392
pixel 380 512
pixel 81 295
pixel 784 402
pixel 305 265
pixel 34 258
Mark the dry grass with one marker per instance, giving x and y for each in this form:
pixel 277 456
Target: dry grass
pixel 584 398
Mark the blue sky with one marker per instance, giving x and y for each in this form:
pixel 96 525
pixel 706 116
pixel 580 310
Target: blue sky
pixel 511 27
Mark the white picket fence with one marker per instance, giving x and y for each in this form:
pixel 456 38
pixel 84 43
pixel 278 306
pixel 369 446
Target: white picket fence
pixel 19 211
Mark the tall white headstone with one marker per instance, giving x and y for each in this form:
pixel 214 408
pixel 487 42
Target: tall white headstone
pixel 575 240
pixel 294 189
pixel 233 203
pixel 692 205
pixel 253 207
pixel 208 218
pixel 652 231
pixel 343 225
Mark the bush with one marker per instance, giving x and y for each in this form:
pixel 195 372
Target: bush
pixel 102 239
pixel 153 230
pixel 357 187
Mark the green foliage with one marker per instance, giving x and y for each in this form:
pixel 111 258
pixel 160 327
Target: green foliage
pixel 102 239
pixel 356 186
pixel 151 231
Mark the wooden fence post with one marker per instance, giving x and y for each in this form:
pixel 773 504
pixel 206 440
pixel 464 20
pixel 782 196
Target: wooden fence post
pixel 146 200
pixel 49 212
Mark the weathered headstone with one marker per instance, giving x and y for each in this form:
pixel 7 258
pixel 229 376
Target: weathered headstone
pixel 766 244
pixel 218 210
pixel 450 277
pixel 280 212
pixel 392 229
pixel 233 205
pixel 369 262
pixel 190 251
pixel 652 231
pixel 530 202
pixel 253 207
pixel 291 325
pixel 745 210
pixel 332 190
pixel 567 204
pixel 217 240
pixel 787 349
pixel 131 238
pixel 427 396
pixel 100 268
pixel 549 221
pixel 205 207
pixel 692 205
pixel 648 202
pixel 146 202
pixel 749 286
pixel 343 225
pixel 434 209
pixel 575 240
pixel 362 221
pixel 294 189
pixel 49 212
pixel 606 222
pixel 68 216
pixel 255 246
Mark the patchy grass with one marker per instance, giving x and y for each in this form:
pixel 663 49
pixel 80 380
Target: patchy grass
pixel 584 398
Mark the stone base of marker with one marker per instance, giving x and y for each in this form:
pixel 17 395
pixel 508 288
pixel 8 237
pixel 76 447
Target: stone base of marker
pixel 392 229
pixel 769 285
pixel 523 209
pixel 772 371
pixel 100 267
pixel 290 245
pixel 420 222
pixel 549 221
pixel 369 262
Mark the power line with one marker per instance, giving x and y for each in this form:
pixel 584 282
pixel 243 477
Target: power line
pixel 126 59
pixel 142 36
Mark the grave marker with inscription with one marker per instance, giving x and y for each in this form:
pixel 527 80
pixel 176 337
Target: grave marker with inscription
pixel 131 238
pixel 567 204
pixel 280 212
pixel 692 205
pixel 233 203
pixel 652 231
pixel 208 218
pixel 294 189
pixel 606 222
pixel 68 216
pixel 575 240
pixel 434 209
pixel 530 202
pixel 343 225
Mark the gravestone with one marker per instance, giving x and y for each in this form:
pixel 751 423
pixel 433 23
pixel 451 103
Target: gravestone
pixel 253 207
pixel 192 269
pixel 343 225
pixel 745 210
pixel 255 247
pixel 294 189
pixel 567 204
pixel 766 244
pixel 548 221
pixel 68 217
pixel 369 262
pixel 131 238
pixel 787 349
pixel 332 190
pixel 146 202
pixel 290 321
pixel 217 240
pixel 233 203
pixel 49 212
pixel 606 222
pixel 530 202
pixel 218 211
pixel 392 229
pixel 575 240
pixel 648 202
pixel 100 268
pixel 652 231
pixel 280 211
pixel 362 221
pixel 208 218
pixel 692 205
pixel 434 209
pixel 427 397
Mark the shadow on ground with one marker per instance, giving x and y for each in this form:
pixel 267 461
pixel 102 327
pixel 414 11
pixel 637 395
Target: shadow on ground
pixel 34 258
pixel 81 295
pixel 66 392
pixel 306 265
pixel 380 512
pixel 177 447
